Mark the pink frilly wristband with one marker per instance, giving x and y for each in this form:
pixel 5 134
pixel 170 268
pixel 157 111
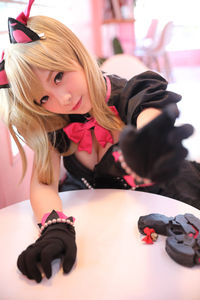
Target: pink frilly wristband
pixel 54 217
pixel 61 215
pixel 131 178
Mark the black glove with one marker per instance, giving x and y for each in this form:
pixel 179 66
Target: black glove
pixel 156 151
pixel 56 241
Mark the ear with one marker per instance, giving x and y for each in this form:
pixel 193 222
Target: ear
pixel 19 33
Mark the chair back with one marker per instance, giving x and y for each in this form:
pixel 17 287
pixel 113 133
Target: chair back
pixel 163 39
pixel 152 30
pixel 123 65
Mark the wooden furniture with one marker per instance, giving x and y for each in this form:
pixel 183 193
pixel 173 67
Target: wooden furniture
pixel 117 21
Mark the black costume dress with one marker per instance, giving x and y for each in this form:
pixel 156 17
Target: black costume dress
pixel 145 90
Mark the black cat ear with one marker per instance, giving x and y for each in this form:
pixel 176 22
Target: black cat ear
pixel 20 33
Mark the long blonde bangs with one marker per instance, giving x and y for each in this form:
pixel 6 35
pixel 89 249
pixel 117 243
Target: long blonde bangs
pixel 60 50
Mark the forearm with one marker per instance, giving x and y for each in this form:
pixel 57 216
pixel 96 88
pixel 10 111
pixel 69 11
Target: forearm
pixel 44 199
pixel 146 116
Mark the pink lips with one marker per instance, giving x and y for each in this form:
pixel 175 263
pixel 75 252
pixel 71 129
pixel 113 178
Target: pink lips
pixel 77 104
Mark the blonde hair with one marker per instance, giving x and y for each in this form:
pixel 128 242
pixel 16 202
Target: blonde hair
pixel 61 50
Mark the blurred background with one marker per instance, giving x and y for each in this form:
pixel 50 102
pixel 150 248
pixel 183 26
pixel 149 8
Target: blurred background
pixel 125 37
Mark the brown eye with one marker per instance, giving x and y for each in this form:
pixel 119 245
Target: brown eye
pixel 58 77
pixel 44 99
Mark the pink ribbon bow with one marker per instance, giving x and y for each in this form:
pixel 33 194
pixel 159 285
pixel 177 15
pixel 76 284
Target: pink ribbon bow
pixel 23 16
pixel 80 133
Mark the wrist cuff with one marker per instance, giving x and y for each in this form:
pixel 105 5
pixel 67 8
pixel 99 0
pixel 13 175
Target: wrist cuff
pixel 52 216
pixel 131 178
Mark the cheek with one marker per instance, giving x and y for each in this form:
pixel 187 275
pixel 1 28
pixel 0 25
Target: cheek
pixel 51 107
pixel 81 84
pixel 88 104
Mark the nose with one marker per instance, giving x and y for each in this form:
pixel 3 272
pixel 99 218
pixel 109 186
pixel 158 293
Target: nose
pixel 63 97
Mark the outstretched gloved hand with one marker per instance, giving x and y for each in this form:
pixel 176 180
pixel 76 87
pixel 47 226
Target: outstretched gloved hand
pixel 155 151
pixel 56 241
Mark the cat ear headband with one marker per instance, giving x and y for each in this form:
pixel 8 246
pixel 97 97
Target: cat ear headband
pixel 18 33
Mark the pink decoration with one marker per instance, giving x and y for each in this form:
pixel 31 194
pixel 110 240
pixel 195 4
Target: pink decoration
pixel 130 180
pixel 116 155
pixel 113 108
pixel 108 93
pixel 3 78
pixel 148 231
pixel 60 214
pixel 80 133
pixel 23 16
pixel 21 37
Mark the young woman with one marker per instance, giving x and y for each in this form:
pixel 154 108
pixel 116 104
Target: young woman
pixel 61 104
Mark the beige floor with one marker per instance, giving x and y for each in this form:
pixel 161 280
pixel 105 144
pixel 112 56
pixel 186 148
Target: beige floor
pixel 187 83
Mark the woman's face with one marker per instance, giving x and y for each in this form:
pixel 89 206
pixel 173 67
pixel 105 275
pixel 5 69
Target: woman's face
pixel 65 92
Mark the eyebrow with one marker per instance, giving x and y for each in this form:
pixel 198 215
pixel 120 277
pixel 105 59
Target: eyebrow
pixel 49 76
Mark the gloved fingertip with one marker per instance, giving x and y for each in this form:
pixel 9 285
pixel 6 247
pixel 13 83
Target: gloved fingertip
pixel 46 266
pixel 38 279
pixel 185 152
pixel 48 275
pixel 189 130
pixel 47 270
pixel 21 264
pixel 172 111
pixel 69 261
pixel 67 268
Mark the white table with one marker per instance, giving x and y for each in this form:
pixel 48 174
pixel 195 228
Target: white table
pixel 112 262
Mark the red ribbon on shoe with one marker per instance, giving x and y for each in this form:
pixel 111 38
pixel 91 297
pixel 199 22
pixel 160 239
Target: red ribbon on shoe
pixel 80 133
pixel 148 231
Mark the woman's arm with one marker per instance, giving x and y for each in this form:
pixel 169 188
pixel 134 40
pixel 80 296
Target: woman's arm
pixel 57 239
pixel 155 151
pixel 44 198
pixel 146 116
